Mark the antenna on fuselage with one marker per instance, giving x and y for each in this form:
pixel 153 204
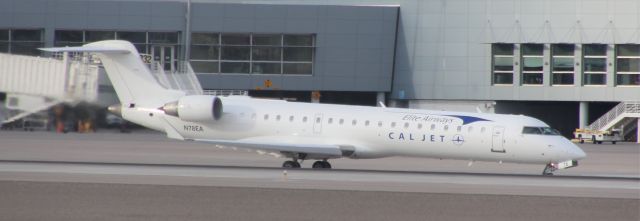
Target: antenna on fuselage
pixel 382 104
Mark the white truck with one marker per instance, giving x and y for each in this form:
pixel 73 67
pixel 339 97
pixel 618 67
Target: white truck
pixel 597 137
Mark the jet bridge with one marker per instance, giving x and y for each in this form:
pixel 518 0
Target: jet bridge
pixel 33 84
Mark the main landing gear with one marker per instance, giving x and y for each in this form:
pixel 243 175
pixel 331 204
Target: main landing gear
pixel 290 164
pixel 316 165
pixel 548 170
pixel 321 165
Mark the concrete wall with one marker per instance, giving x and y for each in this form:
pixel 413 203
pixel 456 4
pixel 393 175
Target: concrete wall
pixel 444 50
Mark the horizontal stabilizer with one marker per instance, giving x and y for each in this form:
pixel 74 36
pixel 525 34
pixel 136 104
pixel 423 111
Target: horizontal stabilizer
pixel 88 49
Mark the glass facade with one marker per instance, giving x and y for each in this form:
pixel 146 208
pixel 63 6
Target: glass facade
pixel 532 63
pixel 628 65
pixel 594 64
pixel 21 41
pixel 562 60
pixel 502 63
pixel 242 53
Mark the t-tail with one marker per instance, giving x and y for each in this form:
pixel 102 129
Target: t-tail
pixel 139 92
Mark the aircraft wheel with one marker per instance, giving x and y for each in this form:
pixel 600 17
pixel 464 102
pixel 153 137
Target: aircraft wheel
pixel 321 165
pixel 290 164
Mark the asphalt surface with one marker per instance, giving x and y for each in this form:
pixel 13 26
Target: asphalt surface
pixel 144 176
pixel 86 201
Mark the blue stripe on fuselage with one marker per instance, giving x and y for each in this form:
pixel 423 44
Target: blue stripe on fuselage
pixel 467 119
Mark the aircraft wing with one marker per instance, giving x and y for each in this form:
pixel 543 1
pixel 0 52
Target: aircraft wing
pixel 270 144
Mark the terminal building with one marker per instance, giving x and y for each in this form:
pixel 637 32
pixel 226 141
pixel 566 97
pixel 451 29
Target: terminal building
pixel 567 62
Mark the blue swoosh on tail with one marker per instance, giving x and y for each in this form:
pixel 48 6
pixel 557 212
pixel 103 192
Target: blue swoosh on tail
pixel 467 119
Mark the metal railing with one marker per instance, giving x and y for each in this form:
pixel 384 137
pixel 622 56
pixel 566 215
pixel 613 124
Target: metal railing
pixel 183 79
pixel 613 114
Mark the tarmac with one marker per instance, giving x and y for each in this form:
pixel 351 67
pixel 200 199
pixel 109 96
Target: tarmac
pixel 145 176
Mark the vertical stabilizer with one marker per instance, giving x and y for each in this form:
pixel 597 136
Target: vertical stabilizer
pixel 132 80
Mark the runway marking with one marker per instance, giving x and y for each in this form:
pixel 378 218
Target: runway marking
pixel 612 178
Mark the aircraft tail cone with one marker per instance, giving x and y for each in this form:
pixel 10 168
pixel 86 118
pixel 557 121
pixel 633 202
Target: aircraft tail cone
pixel 115 109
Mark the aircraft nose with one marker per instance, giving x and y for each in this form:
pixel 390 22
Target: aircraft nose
pixel 571 150
pixel 574 151
pixel 578 153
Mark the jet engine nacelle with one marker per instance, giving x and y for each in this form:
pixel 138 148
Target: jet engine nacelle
pixel 195 108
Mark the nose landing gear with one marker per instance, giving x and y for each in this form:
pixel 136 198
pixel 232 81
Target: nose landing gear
pixel 548 170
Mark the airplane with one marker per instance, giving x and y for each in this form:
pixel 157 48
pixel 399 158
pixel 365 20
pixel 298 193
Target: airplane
pixel 321 132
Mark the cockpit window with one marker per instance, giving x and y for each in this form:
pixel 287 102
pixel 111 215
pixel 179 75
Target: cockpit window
pixel 540 131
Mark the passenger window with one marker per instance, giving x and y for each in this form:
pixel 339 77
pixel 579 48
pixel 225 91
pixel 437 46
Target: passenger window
pixel 266 117
pixel 406 125
pixel 318 120
pixel 393 124
pixel 379 123
pixel 304 119
pixel 354 122
pixel 482 130
pixel 291 118
pixel 433 126
pixel 419 126
pixel 341 121
pixel 459 128
pixel 366 123
pixel 446 127
pixel 330 120
pixel 278 118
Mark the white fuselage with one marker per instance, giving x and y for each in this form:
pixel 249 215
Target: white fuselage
pixel 322 131
pixel 383 132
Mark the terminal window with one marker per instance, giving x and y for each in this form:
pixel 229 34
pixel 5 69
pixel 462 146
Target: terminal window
pixel 594 64
pixel 4 41
pixel 562 60
pixel 628 64
pixel 502 64
pixel 21 41
pixel 243 53
pixel 532 63
pixel 140 39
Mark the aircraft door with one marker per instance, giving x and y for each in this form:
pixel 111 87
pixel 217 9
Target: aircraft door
pixel 166 56
pixel 497 140
pixel 317 124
